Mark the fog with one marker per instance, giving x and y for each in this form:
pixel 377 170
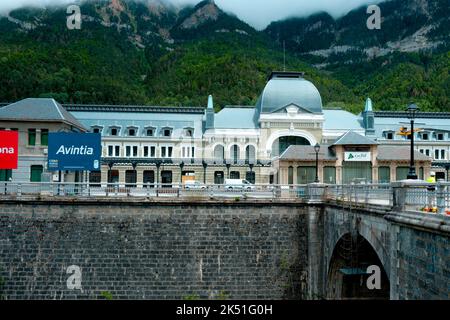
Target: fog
pixel 258 13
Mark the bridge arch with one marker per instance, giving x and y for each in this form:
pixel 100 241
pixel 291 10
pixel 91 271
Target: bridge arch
pixel 347 269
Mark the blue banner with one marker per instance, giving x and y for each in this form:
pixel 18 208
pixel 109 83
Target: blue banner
pixel 74 151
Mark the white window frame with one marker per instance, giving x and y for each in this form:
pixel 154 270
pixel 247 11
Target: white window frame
pixel 149 146
pixel 187 151
pixel 114 146
pixel 132 154
pixel 166 155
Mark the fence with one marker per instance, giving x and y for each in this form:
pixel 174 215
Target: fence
pixel 419 196
pixel 402 196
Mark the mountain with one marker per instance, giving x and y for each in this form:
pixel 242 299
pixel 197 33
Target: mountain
pixel 152 52
pixel 407 26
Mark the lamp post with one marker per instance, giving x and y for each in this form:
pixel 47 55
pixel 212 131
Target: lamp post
pixel 412 110
pixel 317 149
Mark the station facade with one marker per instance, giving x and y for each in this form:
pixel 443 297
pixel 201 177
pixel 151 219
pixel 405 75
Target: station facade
pixel 269 143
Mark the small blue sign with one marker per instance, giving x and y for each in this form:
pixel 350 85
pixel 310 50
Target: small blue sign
pixel 74 151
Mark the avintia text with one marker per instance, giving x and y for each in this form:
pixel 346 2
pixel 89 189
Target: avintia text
pixel 72 150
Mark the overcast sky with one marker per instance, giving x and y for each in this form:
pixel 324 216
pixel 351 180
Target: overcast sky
pixel 258 13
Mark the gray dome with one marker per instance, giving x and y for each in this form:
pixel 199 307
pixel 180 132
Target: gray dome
pixel 289 88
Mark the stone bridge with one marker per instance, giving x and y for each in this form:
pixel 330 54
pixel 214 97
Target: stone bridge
pixel 54 248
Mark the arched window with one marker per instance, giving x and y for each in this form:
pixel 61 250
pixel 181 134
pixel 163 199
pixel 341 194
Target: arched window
pixel 281 144
pixel 235 150
pixel 219 153
pixel 250 154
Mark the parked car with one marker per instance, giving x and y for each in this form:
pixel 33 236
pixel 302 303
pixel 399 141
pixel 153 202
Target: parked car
pixel 194 185
pixel 238 184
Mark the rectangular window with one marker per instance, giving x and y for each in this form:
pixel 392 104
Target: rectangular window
pixel 425 136
pixel 170 152
pixel 117 154
pixel 44 137
pixel 145 151
pixel 384 175
pixel 163 152
pixel 110 151
pixel 36 173
pixel 329 175
pixel 402 173
pixel 113 176
pixel 436 154
pixel 95 179
pixel 135 151
pixel 390 136
pixel 5 175
pixel 128 151
pixel 440 136
pixel 152 152
pixel 31 137
pixel 442 154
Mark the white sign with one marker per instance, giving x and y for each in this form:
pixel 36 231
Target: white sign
pixel 357 156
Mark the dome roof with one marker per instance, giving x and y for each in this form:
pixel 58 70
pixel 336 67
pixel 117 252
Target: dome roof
pixel 285 88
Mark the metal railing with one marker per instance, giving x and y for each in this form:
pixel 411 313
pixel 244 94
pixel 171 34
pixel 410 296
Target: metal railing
pixel 156 190
pixel 422 196
pixel 402 196
pixel 376 194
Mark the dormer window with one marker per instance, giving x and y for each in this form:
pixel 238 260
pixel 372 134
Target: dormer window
pixel 189 132
pixel 114 131
pixel 390 135
pixel 425 136
pixel 97 129
pixel 440 136
pixel 150 132
pixel 166 132
pixel 131 132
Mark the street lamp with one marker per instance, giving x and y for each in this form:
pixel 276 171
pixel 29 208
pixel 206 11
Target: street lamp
pixel 412 111
pixel 317 149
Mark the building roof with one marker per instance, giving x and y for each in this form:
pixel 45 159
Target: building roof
pixel 427 123
pixel 38 109
pixel 351 138
pixel 399 153
pixel 176 121
pixel 235 117
pixel 286 88
pixel 132 108
pixel 307 153
pixel 338 119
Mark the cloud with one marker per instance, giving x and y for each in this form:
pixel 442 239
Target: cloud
pixel 258 13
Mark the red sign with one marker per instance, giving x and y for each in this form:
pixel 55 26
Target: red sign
pixel 9 149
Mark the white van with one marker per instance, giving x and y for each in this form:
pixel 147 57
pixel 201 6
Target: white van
pixel 192 184
pixel 238 184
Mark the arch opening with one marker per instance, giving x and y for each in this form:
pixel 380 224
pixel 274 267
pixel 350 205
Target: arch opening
pixel 348 273
pixel 281 144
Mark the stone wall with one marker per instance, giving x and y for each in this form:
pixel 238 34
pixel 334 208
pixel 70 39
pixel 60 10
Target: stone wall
pixel 422 265
pixel 153 251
